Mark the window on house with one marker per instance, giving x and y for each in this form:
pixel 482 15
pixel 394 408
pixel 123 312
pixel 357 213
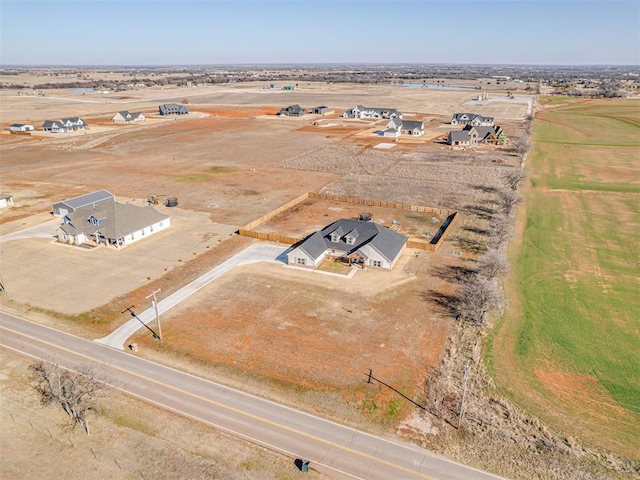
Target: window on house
pixel 376 263
pixel 131 238
pixel 301 261
pixel 151 229
pixel 335 237
pixel 161 223
pixel 350 240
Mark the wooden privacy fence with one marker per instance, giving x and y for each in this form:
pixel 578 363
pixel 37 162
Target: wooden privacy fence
pixel 271 237
pixel 379 203
pixel 273 213
pixel 431 246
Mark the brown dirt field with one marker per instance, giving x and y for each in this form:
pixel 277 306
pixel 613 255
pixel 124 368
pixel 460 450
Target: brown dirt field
pixel 318 332
pixel 129 439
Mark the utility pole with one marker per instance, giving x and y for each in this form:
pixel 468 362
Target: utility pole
pixel 154 302
pixel 464 392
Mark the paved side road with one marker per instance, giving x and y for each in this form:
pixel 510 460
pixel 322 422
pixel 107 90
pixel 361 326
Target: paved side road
pixel 336 450
pixel 252 254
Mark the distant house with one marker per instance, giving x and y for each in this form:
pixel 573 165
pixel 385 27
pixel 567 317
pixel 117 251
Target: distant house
pixel 320 110
pixel 172 109
pixel 125 116
pixel 93 199
pixel 20 127
pixel 292 111
pixel 471 119
pixel 397 127
pixel 64 125
pixel 458 138
pixel 111 223
pixel 6 200
pixel 73 123
pixel 412 127
pixel 356 241
pixel 368 112
pixel 472 135
pixel 53 126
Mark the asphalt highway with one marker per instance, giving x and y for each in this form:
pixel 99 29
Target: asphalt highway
pixel 336 450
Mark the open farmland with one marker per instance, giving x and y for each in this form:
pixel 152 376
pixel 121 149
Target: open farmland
pixel 569 350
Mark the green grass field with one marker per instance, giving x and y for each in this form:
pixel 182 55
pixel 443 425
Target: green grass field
pixel 575 338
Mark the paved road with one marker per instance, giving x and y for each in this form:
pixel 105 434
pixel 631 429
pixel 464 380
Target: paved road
pixel 336 450
pixel 252 254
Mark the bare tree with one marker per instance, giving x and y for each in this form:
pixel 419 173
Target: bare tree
pixel 521 145
pixel 493 264
pixel 76 392
pixel 501 230
pixel 508 199
pixel 514 177
pixel 478 297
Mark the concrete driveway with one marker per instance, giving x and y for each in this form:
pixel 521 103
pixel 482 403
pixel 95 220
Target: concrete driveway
pixel 254 253
pixel 42 230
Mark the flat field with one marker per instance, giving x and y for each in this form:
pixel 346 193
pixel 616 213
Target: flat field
pixel 230 162
pixel 569 349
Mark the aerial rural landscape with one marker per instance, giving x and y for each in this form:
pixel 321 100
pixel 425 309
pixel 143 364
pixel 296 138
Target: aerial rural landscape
pixel 275 270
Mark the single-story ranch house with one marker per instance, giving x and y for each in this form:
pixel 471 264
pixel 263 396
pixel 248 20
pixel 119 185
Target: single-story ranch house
pixel 93 199
pixel 64 125
pixel 172 109
pixel 366 112
pixel 471 135
pixel 471 119
pixel 6 200
pixel 20 127
pixel 126 116
pixel 321 110
pixel 111 223
pixel 292 111
pixel 357 241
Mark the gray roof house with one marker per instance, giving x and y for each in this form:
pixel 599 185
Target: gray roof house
pixel 53 126
pixel 371 112
pixel 172 109
pixel 92 199
pixel 73 123
pixel 472 135
pixel 361 242
pixel 126 116
pixel 471 119
pixel 111 223
pixel 412 127
pixel 321 110
pixel 292 111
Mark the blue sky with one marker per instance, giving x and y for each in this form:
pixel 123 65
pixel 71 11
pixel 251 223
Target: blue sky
pixel 185 32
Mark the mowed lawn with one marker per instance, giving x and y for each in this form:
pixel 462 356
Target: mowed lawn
pixel 569 349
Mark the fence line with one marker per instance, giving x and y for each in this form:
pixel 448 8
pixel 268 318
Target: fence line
pixel 273 213
pixel 443 233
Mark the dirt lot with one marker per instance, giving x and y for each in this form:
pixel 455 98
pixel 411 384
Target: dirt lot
pixel 72 280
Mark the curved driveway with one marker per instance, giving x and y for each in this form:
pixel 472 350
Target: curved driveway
pixel 252 254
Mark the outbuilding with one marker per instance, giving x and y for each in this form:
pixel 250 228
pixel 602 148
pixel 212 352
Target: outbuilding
pixel 20 127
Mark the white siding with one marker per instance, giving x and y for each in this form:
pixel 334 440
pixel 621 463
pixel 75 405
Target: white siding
pixel 146 231
pixel 297 255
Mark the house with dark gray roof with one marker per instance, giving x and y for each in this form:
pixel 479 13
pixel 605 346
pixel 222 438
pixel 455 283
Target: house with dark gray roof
pixel 356 241
pixel 53 126
pixel 20 127
pixel 321 110
pixel 93 199
pixel 397 127
pixel 371 112
pixel 73 123
pixel 472 135
pixel 111 223
pixel 471 119
pixel 292 111
pixel 172 109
